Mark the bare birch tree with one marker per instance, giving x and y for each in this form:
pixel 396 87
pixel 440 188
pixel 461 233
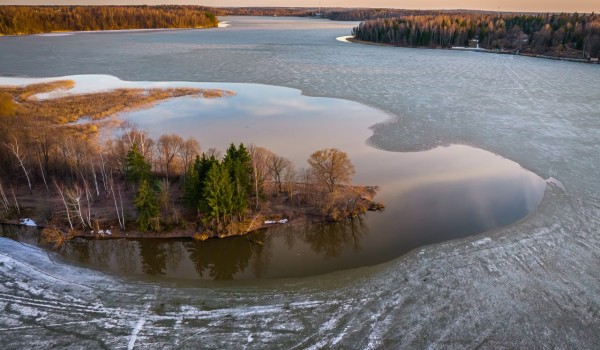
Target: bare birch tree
pixel 64 201
pixel 20 155
pixel 3 199
pixel 119 210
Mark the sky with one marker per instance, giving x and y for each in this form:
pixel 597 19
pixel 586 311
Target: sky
pixel 493 5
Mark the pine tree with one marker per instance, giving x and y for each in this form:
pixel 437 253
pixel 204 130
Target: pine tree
pixel 146 206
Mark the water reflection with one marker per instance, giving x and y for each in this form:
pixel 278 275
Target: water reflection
pixel 219 259
pixel 432 196
pixel 329 240
pixel 153 256
pixel 225 259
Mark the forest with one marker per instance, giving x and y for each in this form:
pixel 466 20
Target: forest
pixel 573 35
pixel 565 35
pixel 15 20
pixel 363 14
pixel 67 163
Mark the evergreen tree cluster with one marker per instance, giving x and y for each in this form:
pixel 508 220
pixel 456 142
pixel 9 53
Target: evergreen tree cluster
pixel 145 202
pixel 536 33
pixel 220 190
pixel 16 20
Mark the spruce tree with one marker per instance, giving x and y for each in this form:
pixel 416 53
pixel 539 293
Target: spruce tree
pixel 192 191
pixel 146 206
pixel 194 188
pixel 218 194
pixel 239 167
pixel 137 167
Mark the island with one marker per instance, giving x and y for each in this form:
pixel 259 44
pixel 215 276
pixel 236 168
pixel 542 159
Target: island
pixel 74 168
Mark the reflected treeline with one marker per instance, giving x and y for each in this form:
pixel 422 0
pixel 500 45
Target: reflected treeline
pixel 222 259
pixel 218 259
pixel 330 239
pixel 120 255
pixel 153 256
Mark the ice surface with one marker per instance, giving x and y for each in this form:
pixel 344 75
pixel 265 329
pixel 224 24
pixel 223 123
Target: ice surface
pixel 533 284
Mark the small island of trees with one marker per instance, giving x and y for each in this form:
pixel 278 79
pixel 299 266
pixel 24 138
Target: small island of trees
pixel 76 180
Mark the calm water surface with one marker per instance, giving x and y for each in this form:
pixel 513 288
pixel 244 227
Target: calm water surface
pixel 431 196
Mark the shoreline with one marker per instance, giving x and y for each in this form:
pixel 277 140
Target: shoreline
pixel 459 48
pixel 301 216
pixel 58 33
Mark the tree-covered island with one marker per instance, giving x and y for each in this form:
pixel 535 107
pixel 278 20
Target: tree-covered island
pixel 98 177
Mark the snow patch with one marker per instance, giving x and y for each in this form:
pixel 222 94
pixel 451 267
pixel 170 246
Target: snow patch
pixel 282 221
pixel 27 222
pixel 344 39
pixel 481 242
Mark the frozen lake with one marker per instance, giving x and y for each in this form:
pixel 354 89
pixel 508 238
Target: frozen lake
pixel 537 278
pixel 430 196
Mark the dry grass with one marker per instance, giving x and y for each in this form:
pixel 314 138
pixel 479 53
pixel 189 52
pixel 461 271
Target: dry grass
pixel 95 106
pixel 34 89
pixel 54 236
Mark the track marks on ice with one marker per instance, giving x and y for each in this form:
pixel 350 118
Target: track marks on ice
pixel 136 330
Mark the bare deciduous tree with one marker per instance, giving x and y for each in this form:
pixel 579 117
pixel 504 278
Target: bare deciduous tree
pixel 20 154
pixel 213 152
pixel 259 157
pixel 75 200
pixel 331 167
pixel 140 138
pixel 277 167
pixel 17 206
pixel 64 200
pixel 119 210
pixel 289 178
pixel 3 199
pixel 168 148
pixel 43 172
pixel 190 148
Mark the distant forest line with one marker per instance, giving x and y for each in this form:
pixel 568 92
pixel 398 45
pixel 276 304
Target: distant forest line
pixel 564 35
pixel 15 20
pixel 569 35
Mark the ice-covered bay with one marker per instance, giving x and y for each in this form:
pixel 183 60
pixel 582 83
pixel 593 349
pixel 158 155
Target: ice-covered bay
pixel 533 284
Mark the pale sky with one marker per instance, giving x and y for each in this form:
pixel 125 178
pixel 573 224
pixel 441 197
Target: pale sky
pixel 493 5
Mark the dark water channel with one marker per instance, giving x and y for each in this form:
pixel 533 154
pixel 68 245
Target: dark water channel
pixel 433 196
